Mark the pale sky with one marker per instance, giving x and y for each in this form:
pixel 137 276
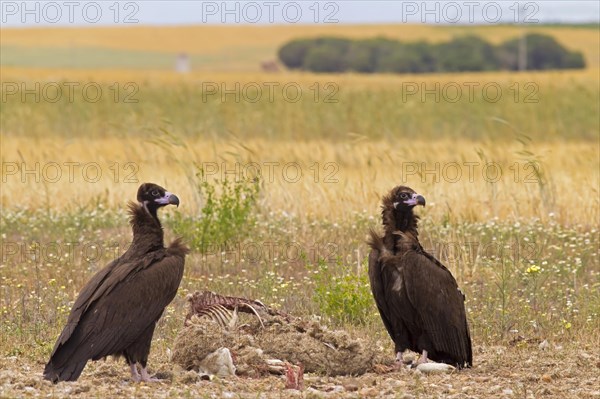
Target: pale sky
pixel 163 12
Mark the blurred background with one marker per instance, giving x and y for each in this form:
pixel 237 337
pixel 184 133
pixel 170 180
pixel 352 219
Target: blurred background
pixel 242 73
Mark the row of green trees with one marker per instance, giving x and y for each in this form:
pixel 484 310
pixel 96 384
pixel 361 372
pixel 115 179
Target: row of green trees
pixel 468 53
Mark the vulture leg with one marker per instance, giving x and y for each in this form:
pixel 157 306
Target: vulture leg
pixel 134 373
pixel 422 358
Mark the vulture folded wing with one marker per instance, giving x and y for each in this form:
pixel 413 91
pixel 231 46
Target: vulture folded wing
pixel 96 284
pixel 129 300
pixel 434 293
pixel 400 310
pixel 377 287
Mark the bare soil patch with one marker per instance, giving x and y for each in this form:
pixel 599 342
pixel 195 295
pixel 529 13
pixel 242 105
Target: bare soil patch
pixel 512 371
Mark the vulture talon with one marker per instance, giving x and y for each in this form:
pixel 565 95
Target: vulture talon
pixel 145 377
pixel 117 310
pixel 417 297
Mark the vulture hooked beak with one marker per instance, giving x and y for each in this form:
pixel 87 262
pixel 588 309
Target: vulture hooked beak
pixel 416 199
pixel 168 199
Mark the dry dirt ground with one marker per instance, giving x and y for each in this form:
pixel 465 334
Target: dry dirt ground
pixel 523 370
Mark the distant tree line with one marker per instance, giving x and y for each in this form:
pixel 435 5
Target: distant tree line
pixel 468 53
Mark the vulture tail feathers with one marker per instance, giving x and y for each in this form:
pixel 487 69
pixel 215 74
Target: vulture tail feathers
pixel 469 347
pixel 69 372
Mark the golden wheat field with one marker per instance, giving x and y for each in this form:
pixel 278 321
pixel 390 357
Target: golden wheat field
pixel 509 164
pixel 306 179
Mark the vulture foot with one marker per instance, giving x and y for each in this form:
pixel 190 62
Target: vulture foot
pixel 398 362
pixel 399 357
pixel 422 359
pixel 404 358
pixel 143 377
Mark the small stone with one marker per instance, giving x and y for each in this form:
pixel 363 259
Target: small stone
pixel 218 363
pixel 508 392
pixel 82 389
pixel 368 393
pixel 397 383
pixel 164 375
pixel 330 388
pixel 191 377
pixel 544 345
pixel 337 389
pixel 351 386
pixel 432 368
pixel 546 378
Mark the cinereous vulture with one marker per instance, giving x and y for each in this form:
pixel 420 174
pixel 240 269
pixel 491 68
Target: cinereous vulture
pixel 117 310
pixel 418 299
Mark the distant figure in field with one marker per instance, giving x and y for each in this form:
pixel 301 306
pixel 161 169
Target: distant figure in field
pixel 182 63
pixel 269 66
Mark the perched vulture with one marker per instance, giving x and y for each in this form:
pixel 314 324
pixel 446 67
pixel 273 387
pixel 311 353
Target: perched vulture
pixel 116 312
pixel 418 299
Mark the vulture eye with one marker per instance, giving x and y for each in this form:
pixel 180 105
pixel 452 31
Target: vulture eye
pixel 404 196
pixel 155 193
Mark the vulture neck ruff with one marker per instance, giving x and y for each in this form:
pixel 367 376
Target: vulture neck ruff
pixel 147 230
pixel 397 220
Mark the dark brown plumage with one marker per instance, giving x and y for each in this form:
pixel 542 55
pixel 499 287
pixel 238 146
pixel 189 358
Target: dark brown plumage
pixel 418 299
pixel 117 310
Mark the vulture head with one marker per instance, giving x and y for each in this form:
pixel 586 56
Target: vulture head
pixel 152 196
pixel 403 199
pixel 397 208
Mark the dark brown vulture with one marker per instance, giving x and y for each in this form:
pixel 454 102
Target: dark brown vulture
pixel 117 310
pixel 418 299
